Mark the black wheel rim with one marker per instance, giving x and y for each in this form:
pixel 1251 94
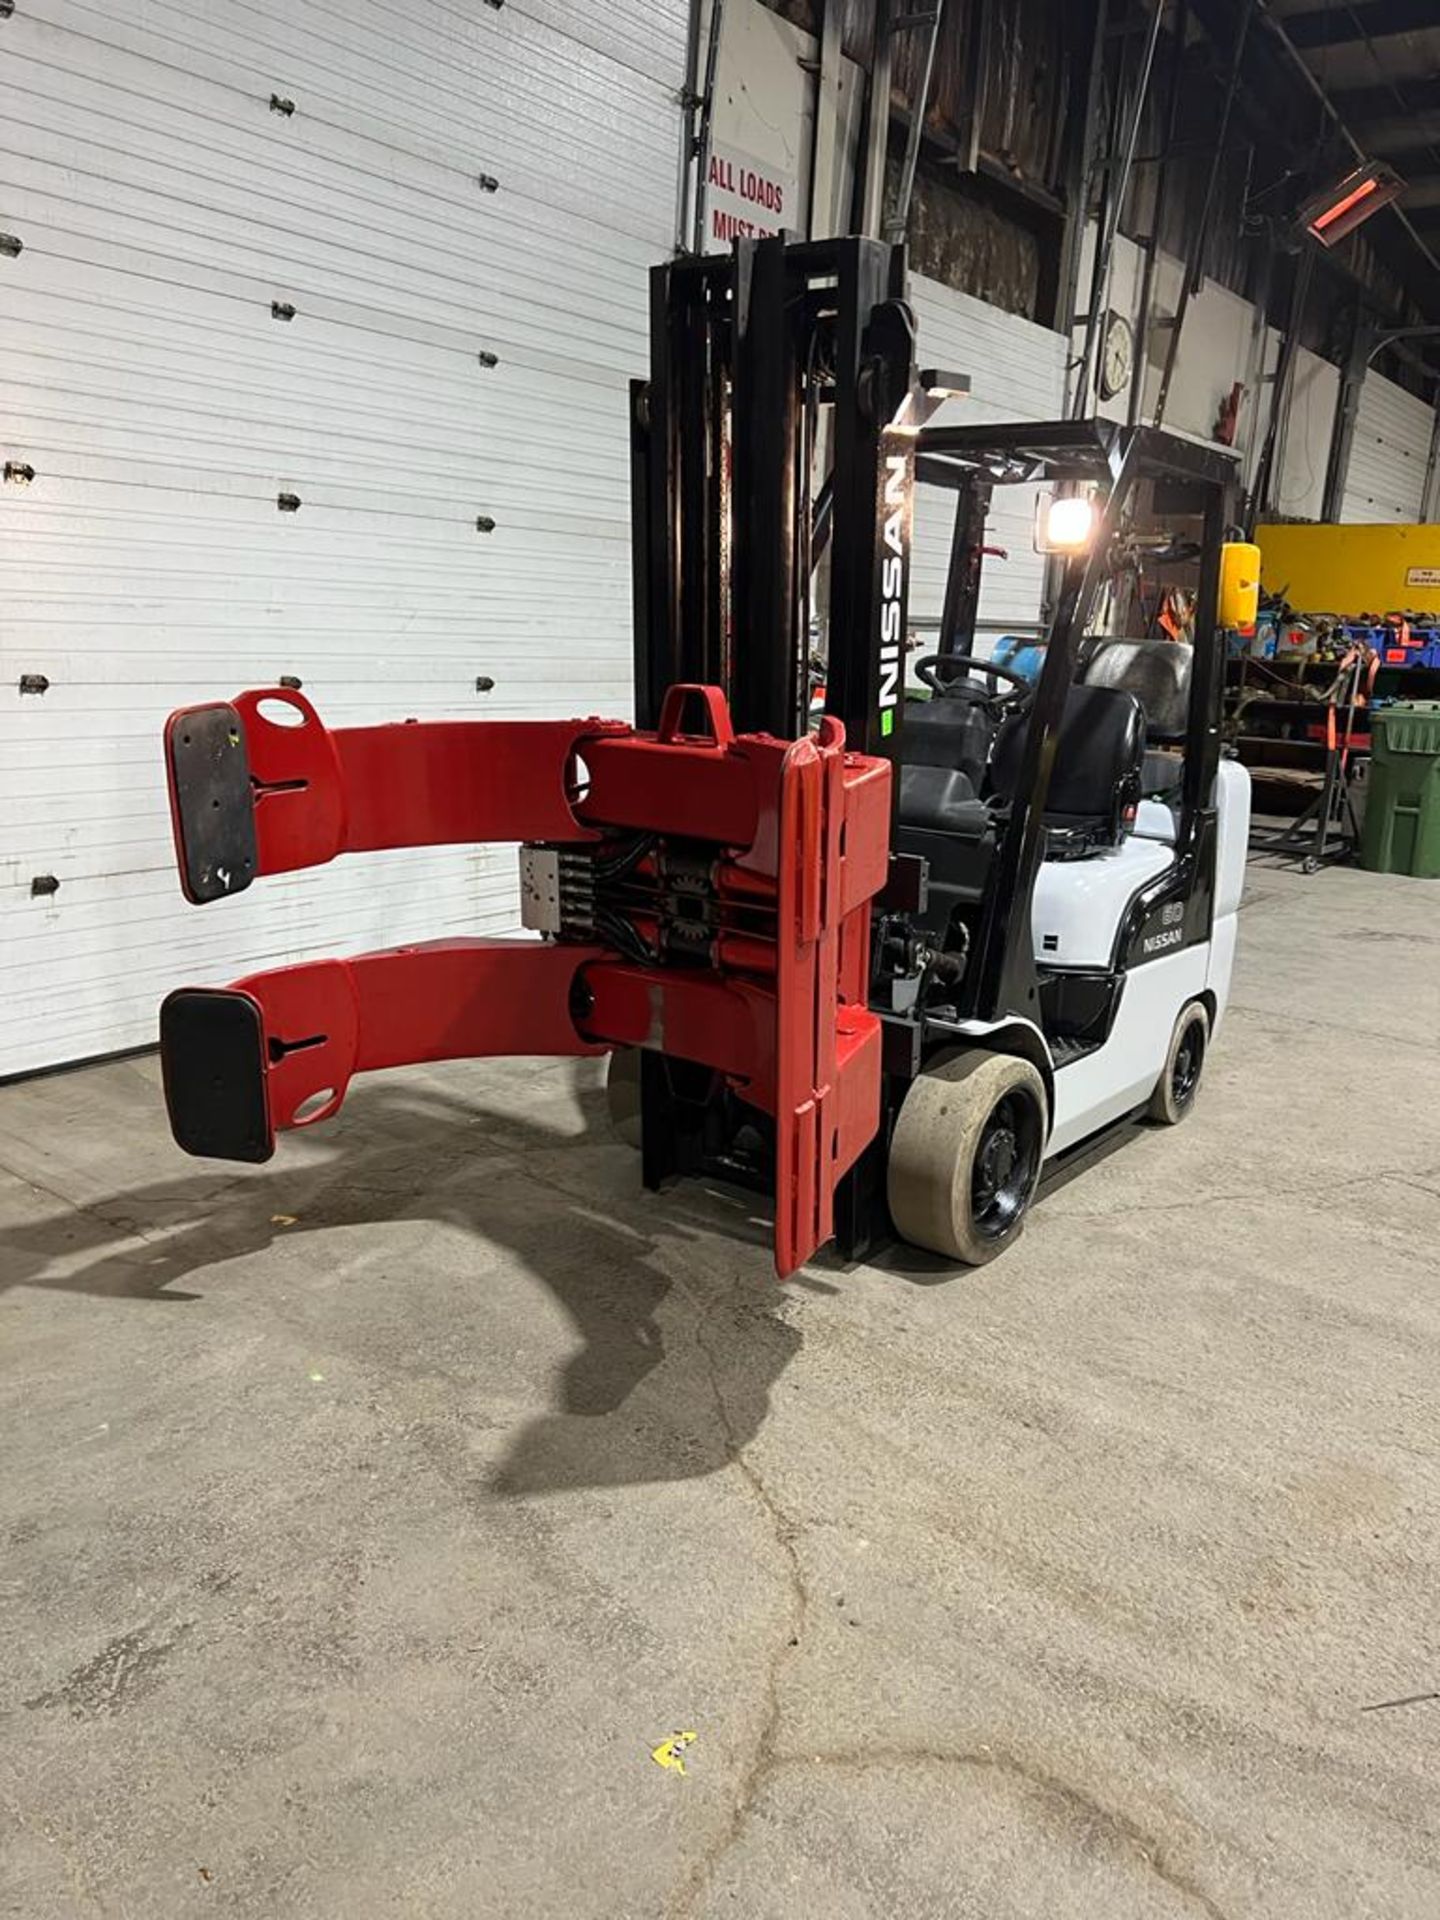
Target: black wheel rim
pixel 1007 1159
pixel 1185 1069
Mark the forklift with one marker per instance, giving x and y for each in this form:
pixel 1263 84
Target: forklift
pixel 883 962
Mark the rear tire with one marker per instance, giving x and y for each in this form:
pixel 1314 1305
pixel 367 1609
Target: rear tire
pixel 1179 1080
pixel 965 1155
pixel 622 1094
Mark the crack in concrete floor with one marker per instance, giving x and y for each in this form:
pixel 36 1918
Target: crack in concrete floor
pixel 785 1532
pixel 766 1759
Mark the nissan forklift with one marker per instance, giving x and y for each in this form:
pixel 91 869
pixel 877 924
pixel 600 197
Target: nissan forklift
pixel 882 962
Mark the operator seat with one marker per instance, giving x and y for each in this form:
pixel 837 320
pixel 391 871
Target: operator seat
pixel 1158 673
pixel 1096 779
pixel 1094 794
pixel 946 743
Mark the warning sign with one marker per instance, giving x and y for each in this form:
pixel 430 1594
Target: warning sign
pixel 1422 576
pixel 745 196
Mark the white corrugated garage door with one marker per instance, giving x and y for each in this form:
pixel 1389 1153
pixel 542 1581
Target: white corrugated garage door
pixel 1017 372
pixel 1388 455
pixel 454 182
pixel 1310 423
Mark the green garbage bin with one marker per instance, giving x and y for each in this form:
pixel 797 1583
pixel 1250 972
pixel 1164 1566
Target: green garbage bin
pixel 1402 807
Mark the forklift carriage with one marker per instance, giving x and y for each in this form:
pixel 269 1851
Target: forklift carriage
pixel 882 963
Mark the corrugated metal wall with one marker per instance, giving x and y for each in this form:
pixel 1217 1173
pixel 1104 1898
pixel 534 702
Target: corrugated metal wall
pixel 1017 372
pixel 452 184
pixel 1388 455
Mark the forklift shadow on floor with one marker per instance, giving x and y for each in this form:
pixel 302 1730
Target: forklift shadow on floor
pixel 680 1342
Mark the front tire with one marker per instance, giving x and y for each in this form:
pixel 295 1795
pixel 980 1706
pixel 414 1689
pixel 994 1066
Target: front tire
pixel 965 1155
pixel 1175 1090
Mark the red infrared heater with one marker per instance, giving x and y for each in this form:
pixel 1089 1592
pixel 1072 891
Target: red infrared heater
pixel 1329 216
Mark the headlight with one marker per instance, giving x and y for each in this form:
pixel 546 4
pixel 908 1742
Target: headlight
pixel 1064 526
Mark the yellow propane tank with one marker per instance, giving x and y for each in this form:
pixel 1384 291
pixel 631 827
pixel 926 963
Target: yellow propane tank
pixel 1239 585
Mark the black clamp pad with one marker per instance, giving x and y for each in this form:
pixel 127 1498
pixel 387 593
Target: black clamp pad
pixel 212 802
pixel 212 1053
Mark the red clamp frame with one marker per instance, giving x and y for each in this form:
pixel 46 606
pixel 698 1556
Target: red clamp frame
pixel 745 898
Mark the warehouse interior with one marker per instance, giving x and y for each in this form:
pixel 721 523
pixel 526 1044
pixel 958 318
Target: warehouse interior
pixel 814 620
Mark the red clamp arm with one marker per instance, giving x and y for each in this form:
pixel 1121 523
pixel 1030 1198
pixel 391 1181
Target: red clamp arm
pixel 279 1049
pixel 260 785
pixel 745 870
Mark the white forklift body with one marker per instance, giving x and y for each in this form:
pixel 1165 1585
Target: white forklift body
pixel 1083 838
pixel 1078 908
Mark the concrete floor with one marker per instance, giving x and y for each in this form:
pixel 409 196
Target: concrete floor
pixel 370 1517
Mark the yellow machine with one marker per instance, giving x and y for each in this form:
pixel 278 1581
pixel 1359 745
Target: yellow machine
pixel 1352 569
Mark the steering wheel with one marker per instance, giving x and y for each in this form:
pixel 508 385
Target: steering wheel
pixel 1012 700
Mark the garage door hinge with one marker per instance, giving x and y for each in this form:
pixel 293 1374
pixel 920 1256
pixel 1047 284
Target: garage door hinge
pixel 34 683
pixel 484 523
pixel 488 359
pixel 281 310
pixel 487 182
pixel 11 244
pixel 42 884
pixel 281 106
pixel 19 473
pixel 288 502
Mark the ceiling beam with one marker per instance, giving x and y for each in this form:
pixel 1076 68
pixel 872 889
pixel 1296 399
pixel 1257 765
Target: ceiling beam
pixel 1355 105
pixel 1333 26
pixel 1405 136
pixel 1275 108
